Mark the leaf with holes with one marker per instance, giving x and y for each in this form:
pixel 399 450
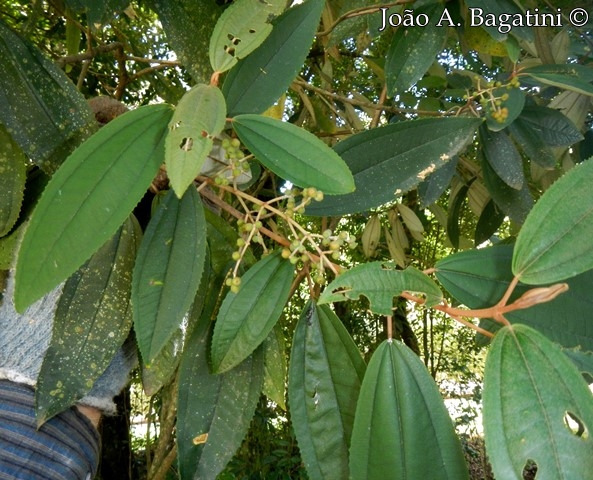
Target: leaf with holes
pixel 294 154
pixel 537 408
pixel 13 174
pixel 326 371
pixel 554 242
pixel 199 116
pixel 246 318
pixel 168 270
pixel 401 424
pixel 242 28
pixel 92 321
pixel 379 282
pixel 89 198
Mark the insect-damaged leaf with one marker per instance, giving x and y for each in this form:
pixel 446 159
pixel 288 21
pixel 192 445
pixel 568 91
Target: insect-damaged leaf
pixel 388 161
pixel 256 82
pixel 326 371
pixel 88 198
pixel 13 175
pixel 242 27
pixel 553 243
pixel 537 408
pixel 199 116
pixel 246 318
pixel 92 320
pixel 168 270
pixel 294 154
pixel 41 108
pixel 379 282
pixel 214 411
pixel 401 424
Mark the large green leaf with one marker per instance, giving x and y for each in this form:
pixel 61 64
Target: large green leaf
pixel 326 372
pixel 92 321
pixel 402 428
pixel 13 175
pixel 189 26
pixel 380 282
pixel 246 318
pixel 502 155
pixel 214 411
pixel 413 50
pixel 479 278
pixel 553 127
pixel 275 367
pixel 391 160
pixel 242 27
pixel 554 242
pixel 168 270
pixel 88 198
pixel 294 154
pixel 531 394
pixel 256 82
pixel 41 108
pixel 199 117
pixel 574 77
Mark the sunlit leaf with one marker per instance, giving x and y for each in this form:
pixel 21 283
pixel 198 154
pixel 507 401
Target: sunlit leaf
pixel 553 243
pixel 168 270
pixel 380 282
pixel 92 321
pixel 88 198
pixel 537 408
pixel 199 117
pixel 246 318
pixel 12 178
pixel 294 154
pixel 402 428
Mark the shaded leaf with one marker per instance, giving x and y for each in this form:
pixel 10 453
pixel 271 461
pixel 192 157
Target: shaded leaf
pixel 390 160
pixel 92 320
pixel 275 368
pixel 435 184
pixel 583 361
pixel 13 175
pixel 326 372
pixel 413 50
pixel 530 140
pixel 41 108
pixel 574 77
pixel 553 243
pixel 490 219
pixel 402 428
pixel 553 127
pixel 168 270
pixel 246 318
pixel 482 8
pixel 256 82
pixel 513 104
pixel 97 12
pixel 531 389
pixel 453 215
pixel 294 154
pixel 502 155
pixel 88 198
pixel 242 27
pixel 199 117
pixel 379 282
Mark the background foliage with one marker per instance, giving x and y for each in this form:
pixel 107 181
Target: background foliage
pixel 307 217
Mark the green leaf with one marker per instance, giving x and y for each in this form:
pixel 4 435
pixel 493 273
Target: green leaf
pixel 435 184
pixel 246 318
pixel 553 243
pixel 530 141
pixel 189 25
pixel 199 117
pixel 574 77
pixel 168 270
pixel 582 360
pixel 275 368
pixel 41 109
pixel 502 155
pixel 553 127
pixel 490 219
pixel 485 10
pixel 413 50
pixel 92 321
pixel 242 28
pixel 88 198
pixel 259 80
pixel 13 174
pixel 326 372
pixel 379 282
pixel 391 160
pixel 98 12
pixel 514 105
pixel 454 213
pixel 294 154
pixel 215 409
pixel 479 278
pixel 531 394
pixel 402 428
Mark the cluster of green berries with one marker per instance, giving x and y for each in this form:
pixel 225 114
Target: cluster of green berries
pixel 236 161
pixel 308 194
pixel 494 104
pixel 234 283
